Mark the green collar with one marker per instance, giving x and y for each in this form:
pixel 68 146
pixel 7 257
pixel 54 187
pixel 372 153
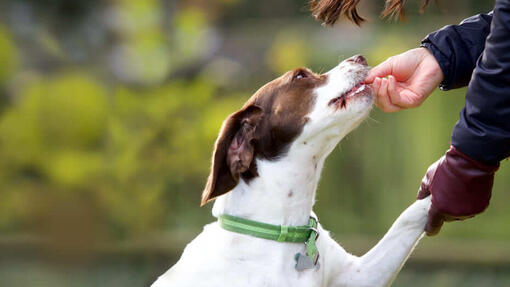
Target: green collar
pixel 306 234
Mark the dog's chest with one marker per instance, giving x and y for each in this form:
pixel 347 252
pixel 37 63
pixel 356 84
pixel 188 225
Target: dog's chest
pixel 220 258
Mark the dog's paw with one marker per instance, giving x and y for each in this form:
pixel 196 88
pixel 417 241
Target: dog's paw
pixel 426 202
pixel 416 214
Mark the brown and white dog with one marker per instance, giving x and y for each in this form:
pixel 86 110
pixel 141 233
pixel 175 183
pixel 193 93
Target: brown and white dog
pixel 266 166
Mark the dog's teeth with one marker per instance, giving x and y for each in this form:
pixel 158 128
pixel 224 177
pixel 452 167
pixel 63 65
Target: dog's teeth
pixel 360 89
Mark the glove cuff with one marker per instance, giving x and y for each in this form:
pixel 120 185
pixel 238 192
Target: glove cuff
pixel 454 152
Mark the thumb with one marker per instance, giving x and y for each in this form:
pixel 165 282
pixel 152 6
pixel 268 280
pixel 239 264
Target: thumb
pixel 434 222
pixel 382 70
pixel 423 192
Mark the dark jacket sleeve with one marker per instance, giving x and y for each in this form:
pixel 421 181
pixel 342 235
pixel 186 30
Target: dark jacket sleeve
pixel 457 48
pixel 483 131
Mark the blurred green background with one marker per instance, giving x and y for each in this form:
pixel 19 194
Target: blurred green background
pixel 109 110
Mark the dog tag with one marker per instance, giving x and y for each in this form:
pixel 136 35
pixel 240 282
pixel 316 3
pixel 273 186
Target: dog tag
pixel 304 262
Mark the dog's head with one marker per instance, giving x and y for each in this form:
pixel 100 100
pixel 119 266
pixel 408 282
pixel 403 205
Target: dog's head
pixel 300 106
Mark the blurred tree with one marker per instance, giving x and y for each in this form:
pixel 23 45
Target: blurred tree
pixel 109 111
pixel 8 56
pixel 115 106
pixel 287 52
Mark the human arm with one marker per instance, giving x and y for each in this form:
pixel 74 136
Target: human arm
pixel 461 181
pixel 456 48
pixel 483 130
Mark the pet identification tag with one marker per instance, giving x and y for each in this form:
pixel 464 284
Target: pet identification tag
pixel 304 262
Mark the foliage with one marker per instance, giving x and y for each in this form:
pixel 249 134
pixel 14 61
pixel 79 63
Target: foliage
pixel 109 111
pixel 124 125
pixel 8 56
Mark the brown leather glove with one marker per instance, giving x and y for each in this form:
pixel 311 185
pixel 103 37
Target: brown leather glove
pixel 460 187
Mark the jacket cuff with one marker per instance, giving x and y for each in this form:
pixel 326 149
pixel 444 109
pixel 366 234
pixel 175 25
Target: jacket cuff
pixel 443 61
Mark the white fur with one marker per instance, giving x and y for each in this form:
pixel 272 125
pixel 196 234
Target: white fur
pixel 284 193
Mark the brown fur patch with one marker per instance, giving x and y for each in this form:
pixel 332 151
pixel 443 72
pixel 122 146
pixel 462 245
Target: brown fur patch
pixel 293 99
pixel 277 111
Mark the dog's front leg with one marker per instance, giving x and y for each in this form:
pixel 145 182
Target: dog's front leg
pixel 382 263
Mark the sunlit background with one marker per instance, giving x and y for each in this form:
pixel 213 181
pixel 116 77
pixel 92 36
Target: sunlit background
pixel 109 110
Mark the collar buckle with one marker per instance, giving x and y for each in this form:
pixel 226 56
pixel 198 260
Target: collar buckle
pixel 314 232
pixel 311 243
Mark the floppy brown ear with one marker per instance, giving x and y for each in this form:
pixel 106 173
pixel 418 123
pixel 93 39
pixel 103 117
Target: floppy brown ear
pixel 233 152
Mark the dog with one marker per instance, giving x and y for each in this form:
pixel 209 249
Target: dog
pixel 265 169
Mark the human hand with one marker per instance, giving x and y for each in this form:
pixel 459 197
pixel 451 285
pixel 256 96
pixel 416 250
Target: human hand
pixel 460 186
pixel 436 218
pixel 412 76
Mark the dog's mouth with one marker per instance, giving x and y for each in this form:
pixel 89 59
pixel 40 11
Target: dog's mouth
pixel 341 101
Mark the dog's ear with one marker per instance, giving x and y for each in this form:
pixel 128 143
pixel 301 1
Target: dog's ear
pixel 233 151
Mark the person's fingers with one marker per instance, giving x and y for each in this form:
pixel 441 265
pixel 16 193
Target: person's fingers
pixel 383 90
pixel 379 101
pixel 379 71
pixel 395 97
pixel 382 98
pixel 423 192
pixel 434 222
pixel 375 87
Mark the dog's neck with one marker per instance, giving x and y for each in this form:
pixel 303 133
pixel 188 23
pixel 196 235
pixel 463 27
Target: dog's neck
pixel 284 191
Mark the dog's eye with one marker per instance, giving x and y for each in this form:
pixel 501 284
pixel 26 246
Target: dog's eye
pixel 301 75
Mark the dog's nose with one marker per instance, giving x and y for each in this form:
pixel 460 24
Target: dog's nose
pixel 358 59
